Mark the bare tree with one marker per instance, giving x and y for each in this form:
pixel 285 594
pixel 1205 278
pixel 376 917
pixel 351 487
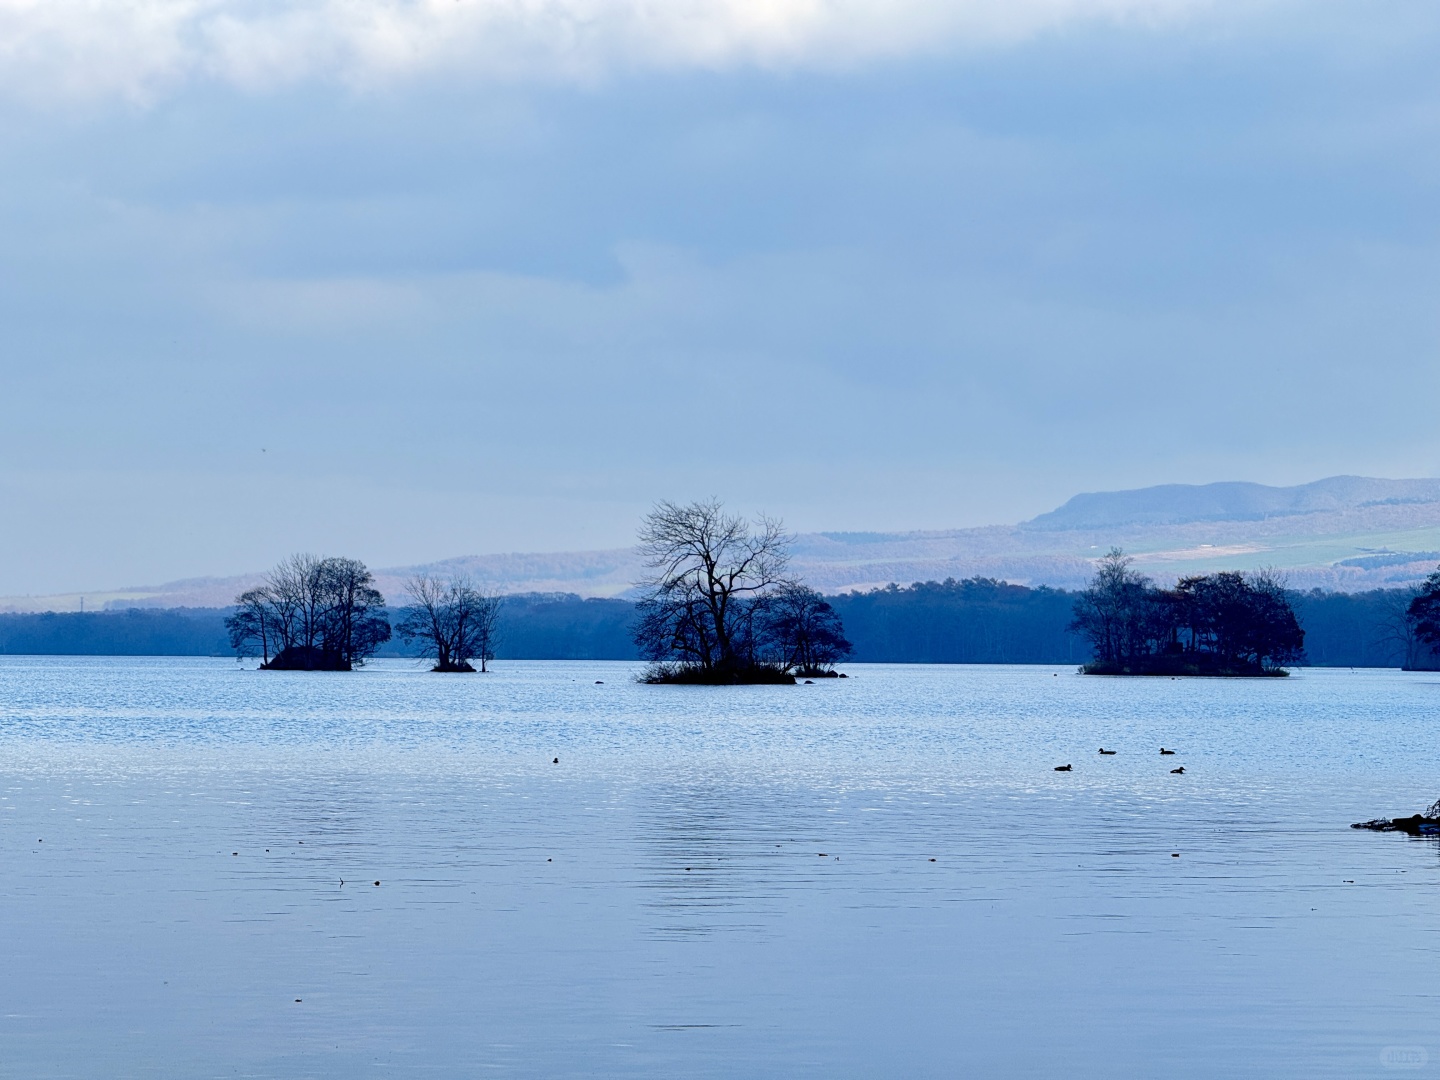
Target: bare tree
pixel 253 626
pixel 453 621
pixel 1397 630
pixel 697 610
pixel 352 616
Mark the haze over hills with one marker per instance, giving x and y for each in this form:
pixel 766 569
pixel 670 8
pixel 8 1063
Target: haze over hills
pixel 1346 533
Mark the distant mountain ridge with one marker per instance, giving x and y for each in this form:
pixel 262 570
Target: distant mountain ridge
pixel 1344 533
pixel 1178 504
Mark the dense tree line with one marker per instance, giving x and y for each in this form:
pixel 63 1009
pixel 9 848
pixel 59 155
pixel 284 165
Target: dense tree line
pixel 133 632
pixel 974 621
pixel 563 626
pixel 1365 629
pixel 977 621
pixel 1209 624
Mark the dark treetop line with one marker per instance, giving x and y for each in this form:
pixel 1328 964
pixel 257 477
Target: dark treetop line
pixel 971 621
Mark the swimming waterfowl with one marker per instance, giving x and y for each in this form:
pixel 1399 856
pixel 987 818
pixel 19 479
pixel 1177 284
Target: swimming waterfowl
pixel 1062 768
pixel 1164 751
pixel 1108 752
pixel 1181 769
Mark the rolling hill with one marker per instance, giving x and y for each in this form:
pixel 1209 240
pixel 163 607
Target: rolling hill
pixel 1344 533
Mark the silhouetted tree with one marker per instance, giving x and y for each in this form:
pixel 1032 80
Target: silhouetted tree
pixel 1246 621
pixel 1396 629
pixel 1113 613
pixel 311 614
pixel 453 621
pixel 698 611
pixel 253 626
pixel 1423 617
pixel 802 630
pixel 1273 635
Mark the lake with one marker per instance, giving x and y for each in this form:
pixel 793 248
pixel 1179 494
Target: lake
pixel 871 877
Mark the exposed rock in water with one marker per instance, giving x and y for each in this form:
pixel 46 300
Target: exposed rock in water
pixel 1419 825
pixel 1426 824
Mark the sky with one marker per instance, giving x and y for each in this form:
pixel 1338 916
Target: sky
pixel 411 279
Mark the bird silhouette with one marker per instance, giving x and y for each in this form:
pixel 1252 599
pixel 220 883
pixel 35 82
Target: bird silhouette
pixel 1108 753
pixel 1164 751
pixel 1178 771
pixel 1062 768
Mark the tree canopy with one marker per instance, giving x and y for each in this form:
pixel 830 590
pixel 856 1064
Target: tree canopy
pixel 311 614
pixel 1225 623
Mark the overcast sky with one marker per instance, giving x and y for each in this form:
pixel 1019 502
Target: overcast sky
pixel 408 280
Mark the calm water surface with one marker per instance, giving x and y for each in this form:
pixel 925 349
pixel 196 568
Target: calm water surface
pixel 875 877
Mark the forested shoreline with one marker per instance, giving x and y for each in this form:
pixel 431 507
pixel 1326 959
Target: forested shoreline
pixel 976 621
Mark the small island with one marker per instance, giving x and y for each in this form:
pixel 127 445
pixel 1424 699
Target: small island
pixel 311 614
pixel 325 614
pixel 1226 624
pixel 720 607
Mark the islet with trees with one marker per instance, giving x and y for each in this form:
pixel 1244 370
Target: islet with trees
pixel 719 606
pixel 1223 624
pixel 325 614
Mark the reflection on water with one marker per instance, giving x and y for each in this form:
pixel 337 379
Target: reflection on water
pixel 880 877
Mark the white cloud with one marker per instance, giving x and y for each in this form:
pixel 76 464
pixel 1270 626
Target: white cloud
pixel 141 48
